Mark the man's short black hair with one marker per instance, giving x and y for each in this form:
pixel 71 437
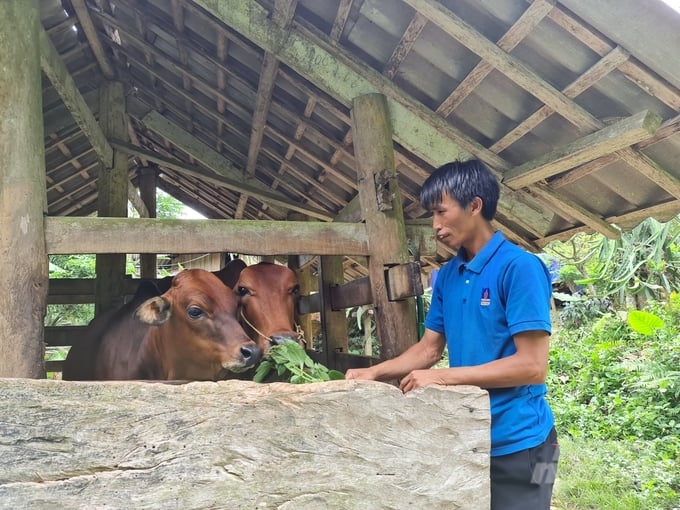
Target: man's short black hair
pixel 462 181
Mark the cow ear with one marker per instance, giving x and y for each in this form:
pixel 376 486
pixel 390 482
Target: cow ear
pixel 154 311
pixel 229 274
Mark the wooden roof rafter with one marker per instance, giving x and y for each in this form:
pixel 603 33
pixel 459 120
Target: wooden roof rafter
pixel 282 15
pixel 203 72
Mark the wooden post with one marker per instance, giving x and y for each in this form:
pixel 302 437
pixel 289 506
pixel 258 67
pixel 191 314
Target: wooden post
pixel 381 207
pixel 147 192
pixel 333 323
pixel 308 284
pixel 112 188
pixel 23 257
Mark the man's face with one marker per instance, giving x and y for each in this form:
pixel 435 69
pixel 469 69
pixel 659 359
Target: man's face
pixel 452 224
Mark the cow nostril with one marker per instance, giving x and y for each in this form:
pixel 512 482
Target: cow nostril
pixel 281 338
pixel 250 353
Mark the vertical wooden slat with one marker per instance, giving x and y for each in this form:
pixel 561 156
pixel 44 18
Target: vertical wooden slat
pixel 23 257
pixel 308 284
pixel 112 195
pixel 333 323
pixel 147 191
pixel 381 206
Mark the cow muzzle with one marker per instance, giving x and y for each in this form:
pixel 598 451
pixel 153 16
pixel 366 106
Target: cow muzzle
pixel 281 337
pixel 249 356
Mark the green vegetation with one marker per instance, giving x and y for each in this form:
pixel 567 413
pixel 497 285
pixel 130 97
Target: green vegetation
pixel 644 264
pixel 290 361
pixel 614 386
pixel 613 475
pixel 614 378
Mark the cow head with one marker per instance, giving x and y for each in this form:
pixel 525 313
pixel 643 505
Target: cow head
pixel 200 335
pixel 267 294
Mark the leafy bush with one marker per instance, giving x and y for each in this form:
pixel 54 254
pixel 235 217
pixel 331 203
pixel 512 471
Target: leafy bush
pixel 617 379
pixel 583 310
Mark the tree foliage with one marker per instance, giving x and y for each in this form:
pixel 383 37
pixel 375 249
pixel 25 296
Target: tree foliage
pixel 644 264
pixel 615 379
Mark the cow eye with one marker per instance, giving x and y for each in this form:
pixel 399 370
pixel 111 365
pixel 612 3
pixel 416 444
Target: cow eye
pixel 243 291
pixel 195 312
pixel 296 290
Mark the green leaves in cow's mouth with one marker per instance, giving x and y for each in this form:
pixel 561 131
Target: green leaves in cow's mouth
pixel 291 361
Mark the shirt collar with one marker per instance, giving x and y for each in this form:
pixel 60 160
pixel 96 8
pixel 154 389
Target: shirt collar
pixel 480 260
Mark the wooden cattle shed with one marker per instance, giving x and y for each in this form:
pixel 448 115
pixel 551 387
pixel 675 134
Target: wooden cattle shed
pixel 304 129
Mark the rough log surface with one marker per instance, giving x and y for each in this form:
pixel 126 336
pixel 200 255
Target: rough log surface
pixel 241 445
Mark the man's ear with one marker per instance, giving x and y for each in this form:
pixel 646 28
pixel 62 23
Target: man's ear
pixel 476 205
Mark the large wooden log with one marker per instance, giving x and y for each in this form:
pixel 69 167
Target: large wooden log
pixel 239 444
pixel 23 259
pixel 381 205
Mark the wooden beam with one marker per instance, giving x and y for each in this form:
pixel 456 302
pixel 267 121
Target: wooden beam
pixel 81 290
pixel 137 202
pixel 662 212
pixel 408 39
pixel 403 280
pixel 262 102
pixel 552 199
pixel 90 32
pixel 65 235
pixel 333 322
pixel 23 260
pixel 328 168
pixel 147 178
pixel 381 204
pixel 344 77
pixel 56 71
pixel 61 336
pixel 617 136
pixel 632 69
pixel 517 32
pixel 242 185
pixel 208 157
pixel 598 71
pixel 650 169
pixel 344 8
pixel 112 195
pixel 505 63
pixel 281 16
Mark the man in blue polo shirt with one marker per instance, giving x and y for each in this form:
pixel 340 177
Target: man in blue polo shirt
pixel 491 309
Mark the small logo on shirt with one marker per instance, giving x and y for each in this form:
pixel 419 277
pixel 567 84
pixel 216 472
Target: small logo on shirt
pixel 485 301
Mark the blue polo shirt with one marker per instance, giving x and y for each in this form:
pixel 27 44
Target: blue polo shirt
pixel 479 305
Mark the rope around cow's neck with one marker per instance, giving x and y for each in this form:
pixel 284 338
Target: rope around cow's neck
pixel 298 330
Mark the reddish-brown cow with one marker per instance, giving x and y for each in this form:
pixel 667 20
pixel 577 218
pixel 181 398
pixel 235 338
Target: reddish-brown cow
pixel 267 295
pixel 190 332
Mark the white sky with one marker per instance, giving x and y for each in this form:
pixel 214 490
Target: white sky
pixel 189 214
pixel 675 4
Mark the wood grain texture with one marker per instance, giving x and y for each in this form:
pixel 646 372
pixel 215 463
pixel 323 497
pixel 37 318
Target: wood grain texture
pixel 238 444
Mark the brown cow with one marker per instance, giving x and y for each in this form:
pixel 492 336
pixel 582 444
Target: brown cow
pixel 190 332
pixel 267 296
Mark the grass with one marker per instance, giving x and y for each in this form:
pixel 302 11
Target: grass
pixel 614 475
